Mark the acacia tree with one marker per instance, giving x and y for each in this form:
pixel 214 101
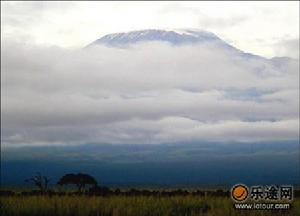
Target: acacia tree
pixel 79 179
pixel 40 181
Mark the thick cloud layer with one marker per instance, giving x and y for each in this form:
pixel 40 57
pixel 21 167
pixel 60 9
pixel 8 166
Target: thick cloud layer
pixel 149 93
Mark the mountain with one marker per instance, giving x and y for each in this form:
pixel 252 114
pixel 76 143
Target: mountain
pixel 282 62
pixel 174 37
pixel 171 36
pixel 177 37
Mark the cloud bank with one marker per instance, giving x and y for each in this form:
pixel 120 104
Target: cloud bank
pixel 149 93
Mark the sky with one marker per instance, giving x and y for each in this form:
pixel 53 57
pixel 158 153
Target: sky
pixel 55 93
pixel 264 28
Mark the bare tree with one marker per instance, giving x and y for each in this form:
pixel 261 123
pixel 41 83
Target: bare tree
pixel 40 181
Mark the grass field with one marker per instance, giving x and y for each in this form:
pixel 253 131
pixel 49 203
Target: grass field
pixel 129 206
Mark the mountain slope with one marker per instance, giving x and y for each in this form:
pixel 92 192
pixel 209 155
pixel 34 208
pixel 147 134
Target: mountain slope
pixel 174 37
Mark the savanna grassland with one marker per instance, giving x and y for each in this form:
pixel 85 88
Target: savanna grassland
pixel 81 205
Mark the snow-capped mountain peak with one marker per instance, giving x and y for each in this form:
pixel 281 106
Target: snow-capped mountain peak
pixel 178 37
pixel 172 36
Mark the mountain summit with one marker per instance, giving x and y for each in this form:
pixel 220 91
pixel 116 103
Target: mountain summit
pixel 180 37
pixel 174 37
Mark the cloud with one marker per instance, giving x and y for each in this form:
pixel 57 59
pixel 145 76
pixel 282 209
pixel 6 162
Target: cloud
pixel 222 22
pixel 206 21
pixel 287 47
pixel 180 129
pixel 150 93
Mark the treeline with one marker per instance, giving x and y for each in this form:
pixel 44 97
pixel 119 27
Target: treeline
pixel 81 180
pixel 105 191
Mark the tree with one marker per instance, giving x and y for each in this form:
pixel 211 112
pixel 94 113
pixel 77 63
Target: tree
pixel 40 181
pixel 79 179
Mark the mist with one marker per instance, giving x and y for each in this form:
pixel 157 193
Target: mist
pixel 147 93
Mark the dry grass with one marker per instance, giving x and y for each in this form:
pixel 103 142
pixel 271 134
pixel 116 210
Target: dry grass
pixel 128 206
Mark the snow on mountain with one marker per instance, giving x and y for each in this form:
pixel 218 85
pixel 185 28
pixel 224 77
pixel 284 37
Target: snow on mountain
pixel 172 36
pixel 180 37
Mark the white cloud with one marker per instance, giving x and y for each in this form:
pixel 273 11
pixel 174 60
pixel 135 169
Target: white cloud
pixel 150 93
